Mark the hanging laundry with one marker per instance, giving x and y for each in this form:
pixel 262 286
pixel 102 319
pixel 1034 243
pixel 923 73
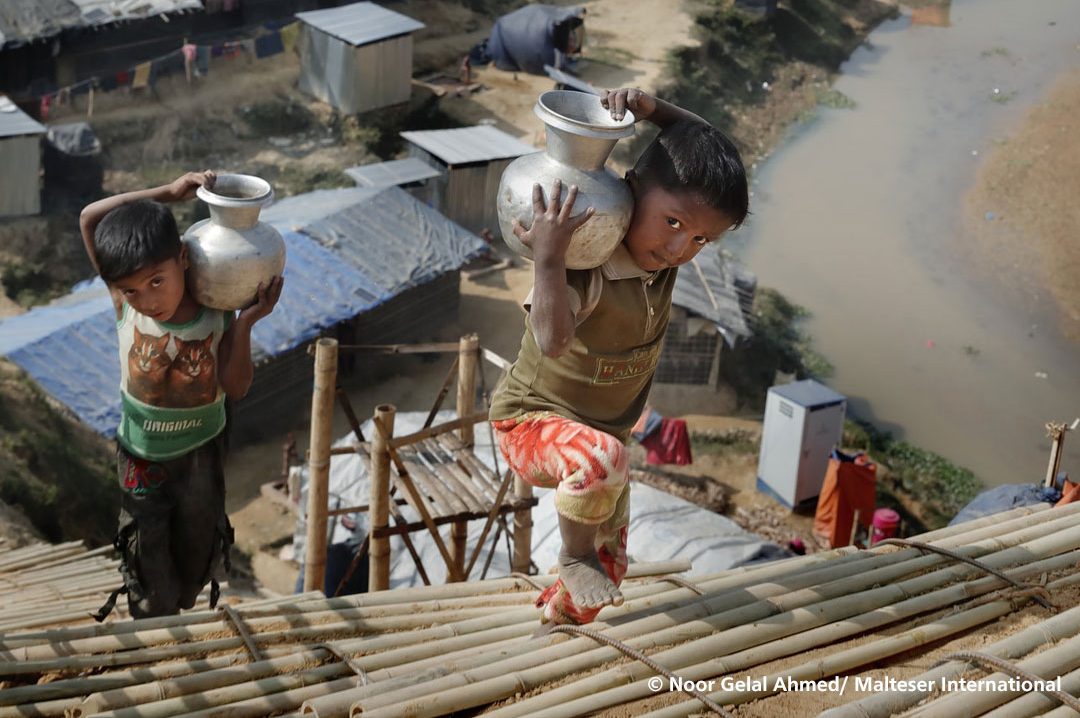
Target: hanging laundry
pixel 46 102
pixel 289 35
pixel 268 45
pixel 669 445
pixel 189 51
pixel 123 78
pixel 142 76
pixel 230 5
pixel 202 60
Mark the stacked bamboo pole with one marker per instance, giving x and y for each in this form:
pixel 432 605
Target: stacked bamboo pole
pixel 42 585
pixel 435 650
pixel 468 362
pixel 727 622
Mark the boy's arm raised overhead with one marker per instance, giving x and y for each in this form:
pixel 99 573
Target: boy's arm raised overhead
pixel 548 237
pixel 180 189
pixel 645 107
pixel 235 370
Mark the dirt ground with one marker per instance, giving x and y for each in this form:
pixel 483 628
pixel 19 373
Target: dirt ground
pixel 1021 215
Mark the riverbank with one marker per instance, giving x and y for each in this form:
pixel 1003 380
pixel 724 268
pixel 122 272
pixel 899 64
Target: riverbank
pixel 1021 216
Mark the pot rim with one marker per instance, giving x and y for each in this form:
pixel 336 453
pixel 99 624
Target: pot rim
pixel 264 192
pixel 614 131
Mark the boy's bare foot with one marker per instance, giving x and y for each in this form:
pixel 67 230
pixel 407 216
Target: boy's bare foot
pixel 587 581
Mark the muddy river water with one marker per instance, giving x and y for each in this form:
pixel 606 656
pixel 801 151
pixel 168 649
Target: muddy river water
pixel 857 218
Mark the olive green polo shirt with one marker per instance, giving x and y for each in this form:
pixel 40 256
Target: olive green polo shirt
pixel 604 376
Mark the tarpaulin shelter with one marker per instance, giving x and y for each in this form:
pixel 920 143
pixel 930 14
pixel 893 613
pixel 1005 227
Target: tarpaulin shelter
pixel 850 487
pixel 357 57
pixel 73 159
pixel 529 38
pixel 374 261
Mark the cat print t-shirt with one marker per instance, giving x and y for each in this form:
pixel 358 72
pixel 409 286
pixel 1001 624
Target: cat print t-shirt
pixel 170 398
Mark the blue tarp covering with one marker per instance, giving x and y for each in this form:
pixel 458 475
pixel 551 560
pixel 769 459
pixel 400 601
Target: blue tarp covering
pixel 528 38
pixel 347 252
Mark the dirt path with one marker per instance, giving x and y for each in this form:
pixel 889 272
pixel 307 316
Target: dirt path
pixel 1021 215
pixel 622 48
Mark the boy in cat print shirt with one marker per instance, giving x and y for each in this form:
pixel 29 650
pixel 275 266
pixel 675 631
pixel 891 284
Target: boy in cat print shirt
pixel 178 362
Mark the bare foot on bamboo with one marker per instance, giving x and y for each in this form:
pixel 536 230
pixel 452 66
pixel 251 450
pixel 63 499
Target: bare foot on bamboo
pixel 587 582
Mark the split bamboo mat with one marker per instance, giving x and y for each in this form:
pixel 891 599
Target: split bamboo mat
pixel 436 650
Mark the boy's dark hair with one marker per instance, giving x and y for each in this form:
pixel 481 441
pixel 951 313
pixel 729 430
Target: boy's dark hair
pixel 133 236
pixel 696 157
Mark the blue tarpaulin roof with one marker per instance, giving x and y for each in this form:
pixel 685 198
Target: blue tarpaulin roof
pixel 347 252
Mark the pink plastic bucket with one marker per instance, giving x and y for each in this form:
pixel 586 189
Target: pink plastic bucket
pixel 886 522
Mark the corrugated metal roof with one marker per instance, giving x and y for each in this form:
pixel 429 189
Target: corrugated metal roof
pixel 710 285
pixel 392 173
pixel 14 121
pixel 23 21
pixel 360 23
pixel 464 145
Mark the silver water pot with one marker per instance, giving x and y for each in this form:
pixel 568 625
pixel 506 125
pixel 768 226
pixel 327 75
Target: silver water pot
pixel 231 253
pixel 580 136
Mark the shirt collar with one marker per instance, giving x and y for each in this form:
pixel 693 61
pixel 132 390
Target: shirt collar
pixel 620 265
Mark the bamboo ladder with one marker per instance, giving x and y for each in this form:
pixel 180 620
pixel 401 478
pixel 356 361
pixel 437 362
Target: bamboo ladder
pixel 433 470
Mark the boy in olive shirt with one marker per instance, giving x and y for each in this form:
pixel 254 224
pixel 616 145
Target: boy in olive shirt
pixel 592 341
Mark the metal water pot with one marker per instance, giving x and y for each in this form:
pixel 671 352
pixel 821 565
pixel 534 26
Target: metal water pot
pixel 231 253
pixel 580 136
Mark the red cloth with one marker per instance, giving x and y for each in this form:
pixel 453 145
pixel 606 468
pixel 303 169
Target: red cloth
pixel 669 445
pixel 1069 492
pixel 850 485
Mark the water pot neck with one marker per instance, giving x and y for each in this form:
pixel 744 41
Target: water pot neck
pixel 235 217
pixel 585 153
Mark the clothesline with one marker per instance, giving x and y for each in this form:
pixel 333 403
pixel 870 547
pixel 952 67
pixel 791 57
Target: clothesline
pixel 195 60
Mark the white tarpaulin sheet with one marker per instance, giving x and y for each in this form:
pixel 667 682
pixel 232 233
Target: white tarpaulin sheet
pixel 662 527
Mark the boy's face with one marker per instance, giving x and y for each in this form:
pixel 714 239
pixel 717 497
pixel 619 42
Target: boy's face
pixel 156 290
pixel 669 228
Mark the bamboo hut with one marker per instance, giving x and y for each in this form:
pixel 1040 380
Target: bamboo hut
pixel 436 650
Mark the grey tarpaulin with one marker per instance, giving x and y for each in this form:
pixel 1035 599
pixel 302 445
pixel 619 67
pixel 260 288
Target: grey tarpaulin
pixel 527 39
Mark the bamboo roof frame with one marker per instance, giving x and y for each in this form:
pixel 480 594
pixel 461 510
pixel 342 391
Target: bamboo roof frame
pixel 434 650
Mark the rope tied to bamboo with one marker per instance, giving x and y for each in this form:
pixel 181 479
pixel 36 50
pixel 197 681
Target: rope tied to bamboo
pixel 1040 597
pixel 237 623
pixel 346 659
pixel 529 580
pixel 679 581
pixel 639 656
pixel 1013 670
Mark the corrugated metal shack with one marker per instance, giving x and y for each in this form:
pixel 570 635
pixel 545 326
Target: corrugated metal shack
pixel 363 264
pixel 472 160
pixel 357 57
pixel 710 314
pixel 20 161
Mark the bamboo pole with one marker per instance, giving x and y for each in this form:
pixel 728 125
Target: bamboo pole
pixel 852 658
pixel 468 360
pixel 1036 703
pixel 739 628
pixel 1053 662
pixel 882 705
pixel 379 553
pixel 322 415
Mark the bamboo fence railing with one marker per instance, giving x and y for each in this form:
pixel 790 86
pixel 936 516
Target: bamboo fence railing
pixel 435 650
